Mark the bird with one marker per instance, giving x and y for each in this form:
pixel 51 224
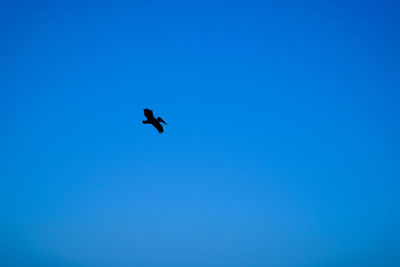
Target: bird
pixel 148 113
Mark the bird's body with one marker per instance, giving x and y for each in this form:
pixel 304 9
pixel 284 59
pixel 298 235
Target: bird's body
pixel 148 113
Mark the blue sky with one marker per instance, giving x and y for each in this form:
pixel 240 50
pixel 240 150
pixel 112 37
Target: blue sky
pixel 282 145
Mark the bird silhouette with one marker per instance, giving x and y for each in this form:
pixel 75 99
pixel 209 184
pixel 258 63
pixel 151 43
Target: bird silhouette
pixel 153 121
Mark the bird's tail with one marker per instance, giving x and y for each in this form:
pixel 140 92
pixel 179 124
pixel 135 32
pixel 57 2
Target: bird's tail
pixel 161 120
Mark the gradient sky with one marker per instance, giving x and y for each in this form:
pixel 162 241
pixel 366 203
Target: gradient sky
pixel 282 145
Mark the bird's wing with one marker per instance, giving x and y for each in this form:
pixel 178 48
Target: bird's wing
pixel 148 113
pixel 158 127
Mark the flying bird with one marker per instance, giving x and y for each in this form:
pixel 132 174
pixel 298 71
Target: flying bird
pixel 148 113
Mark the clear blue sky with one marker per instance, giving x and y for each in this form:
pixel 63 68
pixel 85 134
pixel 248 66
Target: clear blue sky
pixel 282 146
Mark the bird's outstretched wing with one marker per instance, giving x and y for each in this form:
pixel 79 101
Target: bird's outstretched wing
pixel 148 113
pixel 158 127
